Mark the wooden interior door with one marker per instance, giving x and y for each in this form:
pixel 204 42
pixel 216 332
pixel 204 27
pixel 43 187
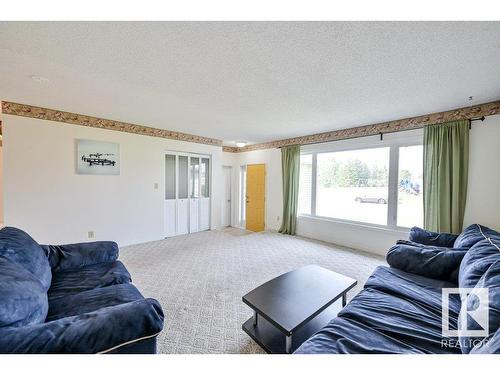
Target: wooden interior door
pixel 255 197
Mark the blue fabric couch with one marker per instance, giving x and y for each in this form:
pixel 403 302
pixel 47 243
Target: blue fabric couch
pixel 400 307
pixel 71 299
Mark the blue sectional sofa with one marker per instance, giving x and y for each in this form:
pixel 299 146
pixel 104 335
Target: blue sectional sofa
pixel 400 307
pixel 71 299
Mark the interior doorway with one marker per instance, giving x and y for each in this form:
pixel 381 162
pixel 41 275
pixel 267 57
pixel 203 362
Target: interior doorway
pixel 255 197
pixel 227 200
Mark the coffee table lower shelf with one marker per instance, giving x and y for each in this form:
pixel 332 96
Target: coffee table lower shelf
pixel 272 340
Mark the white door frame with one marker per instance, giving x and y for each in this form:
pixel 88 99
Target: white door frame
pixel 242 182
pixel 230 216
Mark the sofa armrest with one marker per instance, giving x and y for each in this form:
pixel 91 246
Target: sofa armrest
pixel 81 254
pixel 427 237
pixel 435 262
pixel 96 332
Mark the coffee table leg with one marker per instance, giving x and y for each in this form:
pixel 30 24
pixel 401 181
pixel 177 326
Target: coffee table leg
pixel 344 299
pixel 255 318
pixel 288 344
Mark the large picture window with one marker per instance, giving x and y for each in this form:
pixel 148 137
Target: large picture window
pixel 372 185
pixel 353 185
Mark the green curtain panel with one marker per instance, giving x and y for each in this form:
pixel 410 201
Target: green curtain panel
pixel 446 165
pixel 290 165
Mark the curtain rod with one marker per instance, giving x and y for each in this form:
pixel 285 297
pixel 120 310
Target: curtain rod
pixel 482 118
pixel 381 134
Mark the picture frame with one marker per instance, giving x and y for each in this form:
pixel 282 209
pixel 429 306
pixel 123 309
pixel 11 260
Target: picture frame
pixel 97 157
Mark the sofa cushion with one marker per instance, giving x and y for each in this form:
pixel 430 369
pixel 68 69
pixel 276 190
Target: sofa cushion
pixel 473 234
pixel 20 248
pixel 91 300
pixel 426 237
pixel 478 260
pixel 376 322
pixel 23 299
pixel 405 320
pixel 397 312
pixel 347 336
pixel 99 331
pixel 480 268
pixel 435 262
pixel 423 297
pixel 77 255
pixel 76 280
pixel 422 290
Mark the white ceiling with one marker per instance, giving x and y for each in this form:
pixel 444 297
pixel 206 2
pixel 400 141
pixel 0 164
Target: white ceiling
pixel 251 81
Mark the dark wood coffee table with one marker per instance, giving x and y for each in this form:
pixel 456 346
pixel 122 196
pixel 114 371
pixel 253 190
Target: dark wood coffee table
pixel 292 307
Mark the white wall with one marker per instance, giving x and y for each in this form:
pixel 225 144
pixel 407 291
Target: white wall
pixel 362 237
pixel 483 202
pixel 483 193
pixel 45 197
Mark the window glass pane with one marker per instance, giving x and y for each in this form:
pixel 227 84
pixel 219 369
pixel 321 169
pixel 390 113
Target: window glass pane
pixel 195 177
pixel 305 184
pixel 353 185
pixel 183 177
pixel 169 176
pixel 410 195
pixel 205 177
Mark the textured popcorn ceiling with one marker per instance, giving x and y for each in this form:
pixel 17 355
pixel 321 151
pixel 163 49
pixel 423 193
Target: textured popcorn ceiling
pixel 257 81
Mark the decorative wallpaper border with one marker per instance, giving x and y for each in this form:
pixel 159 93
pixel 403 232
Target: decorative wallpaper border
pixel 95 122
pixel 486 109
pixel 229 149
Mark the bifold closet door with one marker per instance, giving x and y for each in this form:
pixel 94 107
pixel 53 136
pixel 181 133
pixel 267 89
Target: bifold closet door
pixel 187 193
pixel 183 195
pixel 204 222
pixel 194 194
pixel 170 195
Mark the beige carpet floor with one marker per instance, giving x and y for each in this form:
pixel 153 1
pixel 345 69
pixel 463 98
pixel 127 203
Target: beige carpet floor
pixel 200 278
